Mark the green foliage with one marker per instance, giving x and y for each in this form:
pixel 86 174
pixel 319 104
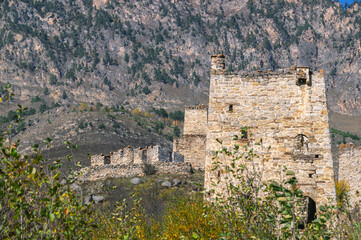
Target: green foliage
pixel 196 79
pixel 177 115
pixel 37 99
pixel 267 44
pixel 82 125
pixel 161 112
pixel 108 60
pixel 46 91
pixel 176 131
pixel 344 134
pixel 33 203
pixel 146 90
pixel 53 79
pixel 65 96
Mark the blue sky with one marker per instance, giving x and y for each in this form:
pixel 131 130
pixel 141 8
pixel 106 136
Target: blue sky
pixel 344 1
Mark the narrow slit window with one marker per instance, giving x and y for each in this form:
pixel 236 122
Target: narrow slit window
pixel 230 108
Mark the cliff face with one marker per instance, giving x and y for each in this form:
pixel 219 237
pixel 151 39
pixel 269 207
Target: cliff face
pixel 156 53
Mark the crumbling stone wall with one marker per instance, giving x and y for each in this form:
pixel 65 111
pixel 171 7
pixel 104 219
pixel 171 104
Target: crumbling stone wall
pixel 350 170
pixel 287 110
pixel 94 173
pixel 140 156
pixel 117 157
pixel 193 148
pixel 128 155
pixel 97 160
pixel 195 120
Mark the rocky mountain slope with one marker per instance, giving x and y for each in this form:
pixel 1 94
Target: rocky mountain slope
pixel 150 53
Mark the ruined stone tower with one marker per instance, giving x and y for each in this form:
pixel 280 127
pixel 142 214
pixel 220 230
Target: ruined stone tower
pixel 192 144
pixel 350 171
pixel 282 116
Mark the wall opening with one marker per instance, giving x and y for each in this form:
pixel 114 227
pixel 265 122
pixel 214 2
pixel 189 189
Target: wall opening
pixel 311 210
pixel 309 213
pixel 230 108
pixel 301 78
pixel 106 159
pixel 301 143
pixel 301 82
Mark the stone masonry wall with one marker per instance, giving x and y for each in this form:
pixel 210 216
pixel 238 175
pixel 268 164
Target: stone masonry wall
pixel 94 173
pixel 195 120
pixel 350 170
pixel 287 110
pixel 128 155
pixel 193 148
pixel 97 160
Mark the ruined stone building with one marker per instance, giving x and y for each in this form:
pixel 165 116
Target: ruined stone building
pixel 281 115
pixel 129 155
pixel 129 162
pixel 350 171
pixel 192 143
pixel 287 110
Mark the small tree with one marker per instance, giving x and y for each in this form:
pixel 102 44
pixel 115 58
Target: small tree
pixel 46 91
pixel 65 96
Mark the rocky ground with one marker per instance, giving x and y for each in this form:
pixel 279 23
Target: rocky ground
pixel 155 190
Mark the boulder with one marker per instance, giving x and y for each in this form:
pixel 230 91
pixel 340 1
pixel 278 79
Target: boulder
pixel 136 181
pixel 63 182
pixel 177 182
pixel 91 198
pixel 166 184
pixel 75 187
pixel 98 199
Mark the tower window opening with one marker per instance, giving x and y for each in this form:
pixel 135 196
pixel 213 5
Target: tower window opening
pixel 230 108
pixel 301 82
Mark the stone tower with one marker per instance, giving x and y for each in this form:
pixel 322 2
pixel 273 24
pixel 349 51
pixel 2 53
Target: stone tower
pixel 350 171
pixel 287 110
pixel 192 144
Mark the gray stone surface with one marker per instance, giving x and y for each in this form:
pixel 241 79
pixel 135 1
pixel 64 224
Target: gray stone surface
pixel 166 184
pixel 75 187
pixel 136 181
pixel 98 199
pixel 177 182
pixel 91 198
pixel 177 157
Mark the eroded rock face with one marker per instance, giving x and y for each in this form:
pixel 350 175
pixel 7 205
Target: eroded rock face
pixel 112 50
